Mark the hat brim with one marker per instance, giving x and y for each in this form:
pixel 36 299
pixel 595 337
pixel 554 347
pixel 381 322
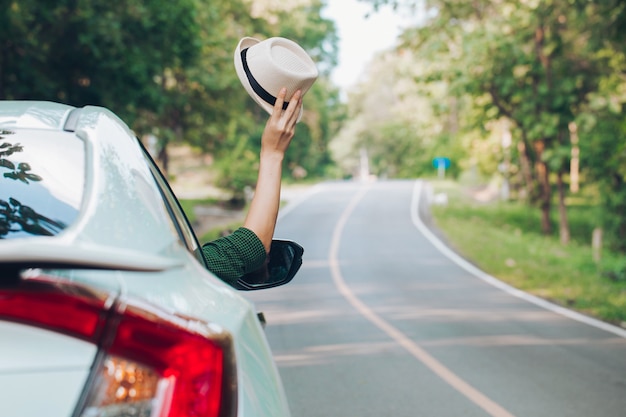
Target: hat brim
pixel 244 43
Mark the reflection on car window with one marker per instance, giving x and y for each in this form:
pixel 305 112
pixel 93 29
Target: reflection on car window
pixel 41 182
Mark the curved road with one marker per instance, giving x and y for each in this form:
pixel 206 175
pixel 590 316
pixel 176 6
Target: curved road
pixel 384 320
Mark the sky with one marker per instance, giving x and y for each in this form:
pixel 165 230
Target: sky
pixel 360 38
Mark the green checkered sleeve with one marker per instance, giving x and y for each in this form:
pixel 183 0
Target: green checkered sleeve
pixel 230 257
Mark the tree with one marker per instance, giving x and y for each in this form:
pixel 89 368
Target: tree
pixel 94 51
pixel 536 64
pixel 167 69
pixel 308 154
pixel 202 98
pixel 400 122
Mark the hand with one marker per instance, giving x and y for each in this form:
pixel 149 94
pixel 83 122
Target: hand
pixel 281 125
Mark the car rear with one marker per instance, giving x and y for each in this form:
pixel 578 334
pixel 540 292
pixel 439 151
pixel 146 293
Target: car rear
pixel 105 307
pixel 70 350
pixel 73 343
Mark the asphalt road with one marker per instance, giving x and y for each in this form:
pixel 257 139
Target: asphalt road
pixel 384 320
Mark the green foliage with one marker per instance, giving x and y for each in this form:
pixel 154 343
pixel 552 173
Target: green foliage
pixel 615 270
pixel 603 152
pixel 94 51
pixel 308 156
pixel 542 67
pixel 402 117
pixel 167 69
pixel 603 148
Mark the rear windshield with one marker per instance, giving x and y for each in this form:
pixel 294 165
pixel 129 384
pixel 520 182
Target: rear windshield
pixel 42 177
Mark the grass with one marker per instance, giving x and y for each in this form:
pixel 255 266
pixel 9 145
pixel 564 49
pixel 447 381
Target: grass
pixel 214 233
pixel 504 240
pixel 188 206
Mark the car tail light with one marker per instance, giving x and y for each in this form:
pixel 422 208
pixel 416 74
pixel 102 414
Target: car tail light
pixel 64 308
pixel 157 364
pixel 151 363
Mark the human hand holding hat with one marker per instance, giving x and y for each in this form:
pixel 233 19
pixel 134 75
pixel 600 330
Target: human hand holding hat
pixel 281 125
pixel 265 67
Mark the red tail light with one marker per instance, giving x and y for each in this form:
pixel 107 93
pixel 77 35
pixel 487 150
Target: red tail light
pixel 69 309
pixel 151 363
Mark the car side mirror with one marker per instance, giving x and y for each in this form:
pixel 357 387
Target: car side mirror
pixel 282 264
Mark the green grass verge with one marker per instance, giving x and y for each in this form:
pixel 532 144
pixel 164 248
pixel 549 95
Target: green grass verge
pixel 188 206
pixel 504 240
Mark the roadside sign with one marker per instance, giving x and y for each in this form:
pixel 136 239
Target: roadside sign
pixel 441 163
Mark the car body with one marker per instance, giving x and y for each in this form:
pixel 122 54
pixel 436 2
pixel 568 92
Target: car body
pixel 106 305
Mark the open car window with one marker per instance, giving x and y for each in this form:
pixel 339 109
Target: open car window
pixel 179 219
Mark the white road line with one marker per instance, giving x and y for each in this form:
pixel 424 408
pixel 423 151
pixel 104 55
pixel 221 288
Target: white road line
pixel 417 221
pixel 471 393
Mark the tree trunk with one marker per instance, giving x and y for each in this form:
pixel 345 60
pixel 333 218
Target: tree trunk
pixel 575 158
pixel 527 175
pixel 545 197
pixel 164 157
pixel 618 208
pixel 563 223
pixel 545 204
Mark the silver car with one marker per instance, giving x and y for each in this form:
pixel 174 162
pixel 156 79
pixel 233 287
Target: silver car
pixel 106 305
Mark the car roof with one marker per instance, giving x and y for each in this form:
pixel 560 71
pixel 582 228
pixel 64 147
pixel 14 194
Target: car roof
pixel 33 114
pixel 120 219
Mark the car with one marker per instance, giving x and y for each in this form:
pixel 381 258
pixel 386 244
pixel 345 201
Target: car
pixel 107 307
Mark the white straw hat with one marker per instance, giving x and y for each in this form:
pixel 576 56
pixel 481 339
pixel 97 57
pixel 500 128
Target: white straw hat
pixel 264 67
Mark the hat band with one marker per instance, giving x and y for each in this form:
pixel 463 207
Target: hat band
pixel 256 87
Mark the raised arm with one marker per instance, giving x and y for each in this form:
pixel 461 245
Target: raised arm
pixel 279 130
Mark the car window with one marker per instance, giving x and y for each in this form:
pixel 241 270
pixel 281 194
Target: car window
pixel 178 216
pixel 42 179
